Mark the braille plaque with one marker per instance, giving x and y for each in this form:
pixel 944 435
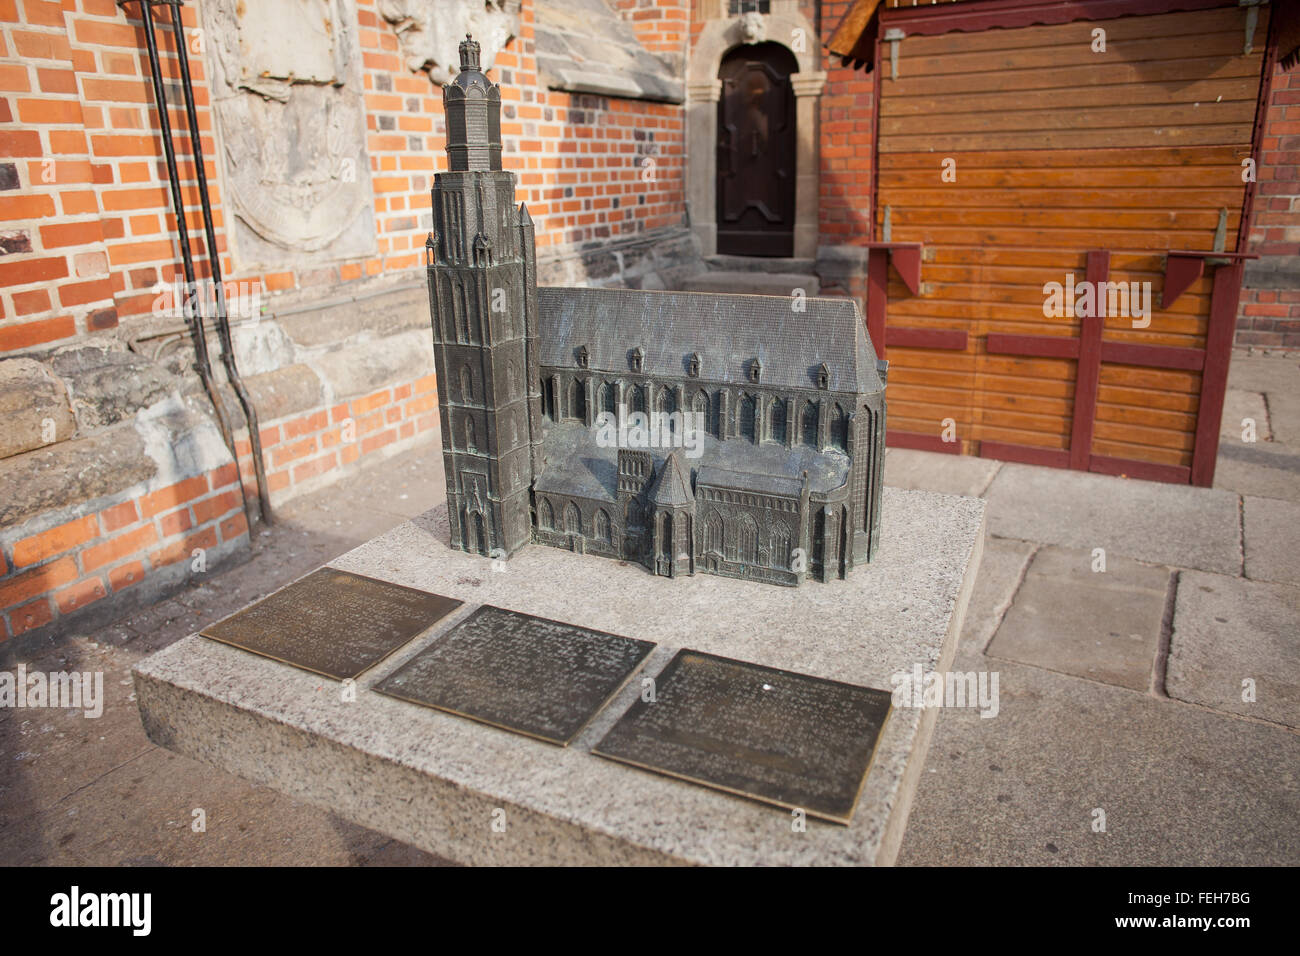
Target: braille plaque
pixel 528 674
pixel 333 622
pixel 772 735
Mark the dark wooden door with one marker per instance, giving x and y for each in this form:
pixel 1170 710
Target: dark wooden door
pixel 756 152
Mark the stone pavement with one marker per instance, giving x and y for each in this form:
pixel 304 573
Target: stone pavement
pixel 1160 695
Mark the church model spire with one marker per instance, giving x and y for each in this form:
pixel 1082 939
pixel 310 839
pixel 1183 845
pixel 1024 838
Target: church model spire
pixel 481 271
pixel 472 105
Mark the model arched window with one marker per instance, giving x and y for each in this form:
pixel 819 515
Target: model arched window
pixel 548 398
pixel 747 539
pixel 840 428
pixel 776 421
pixel 747 414
pixel 577 401
pixel 608 398
pixel 808 425
pixel 700 411
pixel 602 526
pixel 780 545
pixel 466 385
pixel 512 378
pixel 546 515
pixel 470 443
pixel 572 519
pixel 638 398
pixel 667 400
pixel 713 532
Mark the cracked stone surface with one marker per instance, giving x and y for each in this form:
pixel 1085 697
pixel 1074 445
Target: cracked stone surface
pixel 1228 631
pixel 1104 626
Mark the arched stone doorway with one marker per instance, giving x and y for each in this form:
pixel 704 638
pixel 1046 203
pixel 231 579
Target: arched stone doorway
pixel 723 32
pixel 756 151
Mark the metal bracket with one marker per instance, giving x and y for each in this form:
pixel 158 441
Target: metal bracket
pixel 892 36
pixel 1252 21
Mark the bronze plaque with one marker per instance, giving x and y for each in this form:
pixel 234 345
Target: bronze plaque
pixel 772 735
pixel 333 622
pixel 528 674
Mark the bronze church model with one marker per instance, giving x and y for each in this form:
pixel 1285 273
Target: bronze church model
pixel 740 435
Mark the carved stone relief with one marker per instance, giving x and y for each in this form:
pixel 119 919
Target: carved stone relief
pixel 287 94
pixel 429 31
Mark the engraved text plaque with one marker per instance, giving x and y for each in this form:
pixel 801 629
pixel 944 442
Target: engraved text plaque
pixel 790 739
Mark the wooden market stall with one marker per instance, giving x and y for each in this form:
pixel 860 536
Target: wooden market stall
pixel 1039 169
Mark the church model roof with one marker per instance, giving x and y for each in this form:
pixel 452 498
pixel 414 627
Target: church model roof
pixel 727 332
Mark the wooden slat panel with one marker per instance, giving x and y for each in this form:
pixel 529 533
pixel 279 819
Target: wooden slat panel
pixel 1060 151
pixel 1159 93
pixel 1015 164
pixel 1079 32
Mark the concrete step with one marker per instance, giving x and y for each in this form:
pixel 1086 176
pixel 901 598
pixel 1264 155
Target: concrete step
pixel 757 264
pixel 754 283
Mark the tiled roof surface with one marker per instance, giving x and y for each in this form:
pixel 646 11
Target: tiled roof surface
pixel 672 485
pixel 728 332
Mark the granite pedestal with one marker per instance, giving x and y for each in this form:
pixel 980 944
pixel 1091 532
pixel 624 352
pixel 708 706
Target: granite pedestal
pixel 477 794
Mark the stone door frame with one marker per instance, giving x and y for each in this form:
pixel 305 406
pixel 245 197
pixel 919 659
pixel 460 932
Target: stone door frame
pixel 721 35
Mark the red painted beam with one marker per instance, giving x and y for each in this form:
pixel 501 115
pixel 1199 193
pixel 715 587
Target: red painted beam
pixel 1145 470
pixel 1153 356
pixel 914 338
pixel 1088 373
pixel 1214 377
pixel 934 19
pixel 877 297
pixel 907 263
pixel 922 442
pixel 1180 272
pixel 1042 346
pixel 1025 454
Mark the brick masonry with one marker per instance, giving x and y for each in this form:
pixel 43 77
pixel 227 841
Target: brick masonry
pixel 1270 300
pixel 86 224
pixel 87 232
pixel 64 569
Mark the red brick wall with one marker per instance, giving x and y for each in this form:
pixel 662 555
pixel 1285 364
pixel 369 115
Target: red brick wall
pixel 847 141
pixel 69 567
pixel 1271 317
pixel 86 228
pixel 307 446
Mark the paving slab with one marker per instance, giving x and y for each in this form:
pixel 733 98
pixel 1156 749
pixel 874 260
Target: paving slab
pixel 1265 469
pixel 1158 523
pixel 434 780
pixel 1002 567
pixel 1179 785
pixel 1230 630
pixel 1272 545
pixel 1240 408
pixel 1102 625
pixel 1278 378
pixel 933 471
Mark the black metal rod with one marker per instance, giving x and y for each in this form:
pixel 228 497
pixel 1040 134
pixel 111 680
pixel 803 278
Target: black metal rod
pixel 214 262
pixel 202 362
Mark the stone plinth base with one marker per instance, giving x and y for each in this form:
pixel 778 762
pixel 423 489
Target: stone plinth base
pixel 437 781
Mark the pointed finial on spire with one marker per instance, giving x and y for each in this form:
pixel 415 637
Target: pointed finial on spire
pixel 468 54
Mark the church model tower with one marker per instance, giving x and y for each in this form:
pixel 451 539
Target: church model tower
pixel 756 439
